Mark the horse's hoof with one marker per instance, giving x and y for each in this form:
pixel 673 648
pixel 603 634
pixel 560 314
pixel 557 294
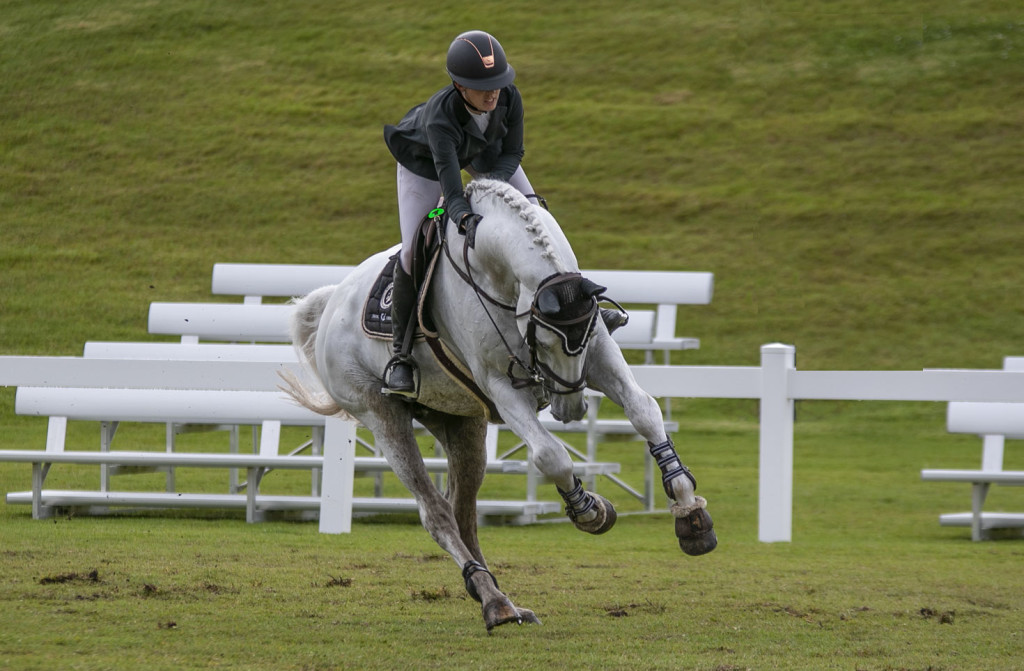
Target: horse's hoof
pixel 696 533
pixel 603 520
pixel 502 612
pixel 527 616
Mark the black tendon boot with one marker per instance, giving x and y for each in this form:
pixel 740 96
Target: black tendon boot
pixel 400 376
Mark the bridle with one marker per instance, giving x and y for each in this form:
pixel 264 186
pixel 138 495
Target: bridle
pixel 536 371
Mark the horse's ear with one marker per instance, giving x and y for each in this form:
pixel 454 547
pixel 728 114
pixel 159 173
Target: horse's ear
pixel 591 288
pixel 547 302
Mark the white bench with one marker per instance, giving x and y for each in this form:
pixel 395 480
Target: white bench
pixel 256 280
pixel 260 323
pixel 270 410
pixel 648 330
pixel 252 323
pixel 994 422
pixel 286 354
pixel 653 332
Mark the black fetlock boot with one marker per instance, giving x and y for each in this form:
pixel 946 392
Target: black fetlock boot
pixel 694 528
pixel 400 375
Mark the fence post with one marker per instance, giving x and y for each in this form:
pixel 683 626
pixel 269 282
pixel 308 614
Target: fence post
pixel 338 476
pixel 775 499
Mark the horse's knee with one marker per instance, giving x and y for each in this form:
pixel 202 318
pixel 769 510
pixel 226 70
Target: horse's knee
pixel 554 464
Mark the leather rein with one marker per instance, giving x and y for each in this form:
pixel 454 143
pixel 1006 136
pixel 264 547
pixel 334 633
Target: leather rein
pixel 537 372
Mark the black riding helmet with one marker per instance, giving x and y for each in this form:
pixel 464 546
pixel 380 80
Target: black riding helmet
pixel 477 61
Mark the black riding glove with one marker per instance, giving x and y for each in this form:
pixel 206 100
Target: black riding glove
pixel 467 227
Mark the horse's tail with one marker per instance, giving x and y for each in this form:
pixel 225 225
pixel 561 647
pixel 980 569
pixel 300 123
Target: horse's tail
pixel 303 327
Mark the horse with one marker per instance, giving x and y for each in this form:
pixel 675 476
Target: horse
pixel 508 304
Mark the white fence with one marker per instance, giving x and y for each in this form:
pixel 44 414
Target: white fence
pixel 776 383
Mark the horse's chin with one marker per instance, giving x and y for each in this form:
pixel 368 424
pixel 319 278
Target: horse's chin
pixel 569 407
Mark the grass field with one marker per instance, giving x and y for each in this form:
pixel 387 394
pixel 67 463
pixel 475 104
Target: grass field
pixel 849 171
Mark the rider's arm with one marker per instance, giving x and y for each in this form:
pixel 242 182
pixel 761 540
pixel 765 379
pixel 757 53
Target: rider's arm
pixel 444 143
pixel 512 149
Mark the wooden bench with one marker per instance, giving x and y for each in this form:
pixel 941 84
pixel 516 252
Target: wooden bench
pixel 994 422
pixel 270 410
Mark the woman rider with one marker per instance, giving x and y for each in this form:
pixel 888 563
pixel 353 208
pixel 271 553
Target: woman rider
pixel 476 125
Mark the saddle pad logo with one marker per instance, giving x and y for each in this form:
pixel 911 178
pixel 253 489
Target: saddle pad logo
pixel 377 309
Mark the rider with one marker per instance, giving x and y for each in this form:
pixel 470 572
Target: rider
pixel 476 125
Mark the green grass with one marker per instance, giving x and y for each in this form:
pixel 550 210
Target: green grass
pixel 870 581
pixel 848 170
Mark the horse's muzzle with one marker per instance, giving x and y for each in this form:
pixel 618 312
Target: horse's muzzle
pixel 565 410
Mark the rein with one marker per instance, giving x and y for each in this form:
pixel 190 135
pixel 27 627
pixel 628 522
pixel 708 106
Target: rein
pixel 538 373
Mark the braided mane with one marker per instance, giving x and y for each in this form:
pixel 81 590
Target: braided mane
pixel 503 193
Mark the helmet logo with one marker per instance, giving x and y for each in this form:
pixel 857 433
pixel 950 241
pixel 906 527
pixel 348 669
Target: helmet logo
pixel 488 60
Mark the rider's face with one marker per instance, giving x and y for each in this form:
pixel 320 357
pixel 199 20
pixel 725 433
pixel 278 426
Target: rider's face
pixel 485 101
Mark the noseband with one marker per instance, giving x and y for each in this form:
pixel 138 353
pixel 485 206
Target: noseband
pixel 537 372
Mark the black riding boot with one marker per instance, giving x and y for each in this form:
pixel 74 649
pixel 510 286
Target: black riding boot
pixel 400 376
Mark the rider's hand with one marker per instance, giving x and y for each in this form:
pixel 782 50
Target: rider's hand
pixel 467 226
pixel 468 220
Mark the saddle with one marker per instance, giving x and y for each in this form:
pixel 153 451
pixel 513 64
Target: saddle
pixel 376 319
pixel 377 307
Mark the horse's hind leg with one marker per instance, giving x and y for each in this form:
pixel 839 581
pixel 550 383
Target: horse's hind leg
pixel 463 441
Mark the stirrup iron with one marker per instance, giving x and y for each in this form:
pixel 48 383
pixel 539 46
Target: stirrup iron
pixel 410 393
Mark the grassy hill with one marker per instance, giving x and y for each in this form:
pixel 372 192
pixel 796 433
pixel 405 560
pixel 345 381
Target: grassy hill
pixel 850 171
pixel 851 174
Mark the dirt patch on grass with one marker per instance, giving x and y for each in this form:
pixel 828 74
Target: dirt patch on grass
pixel 634 608
pixel 61 578
pixel 431 594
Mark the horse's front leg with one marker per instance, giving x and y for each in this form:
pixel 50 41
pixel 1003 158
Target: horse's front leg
pixel 588 511
pixel 610 374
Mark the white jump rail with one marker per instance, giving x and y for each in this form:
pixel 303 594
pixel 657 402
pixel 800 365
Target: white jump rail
pixel 776 383
pixel 648 330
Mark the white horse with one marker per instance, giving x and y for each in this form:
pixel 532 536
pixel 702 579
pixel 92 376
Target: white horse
pixel 508 303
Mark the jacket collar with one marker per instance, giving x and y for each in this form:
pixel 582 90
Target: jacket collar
pixel 465 117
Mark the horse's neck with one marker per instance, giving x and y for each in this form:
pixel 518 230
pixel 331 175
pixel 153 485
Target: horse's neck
pixel 513 256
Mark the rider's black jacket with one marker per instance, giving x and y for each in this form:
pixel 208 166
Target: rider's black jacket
pixel 438 138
